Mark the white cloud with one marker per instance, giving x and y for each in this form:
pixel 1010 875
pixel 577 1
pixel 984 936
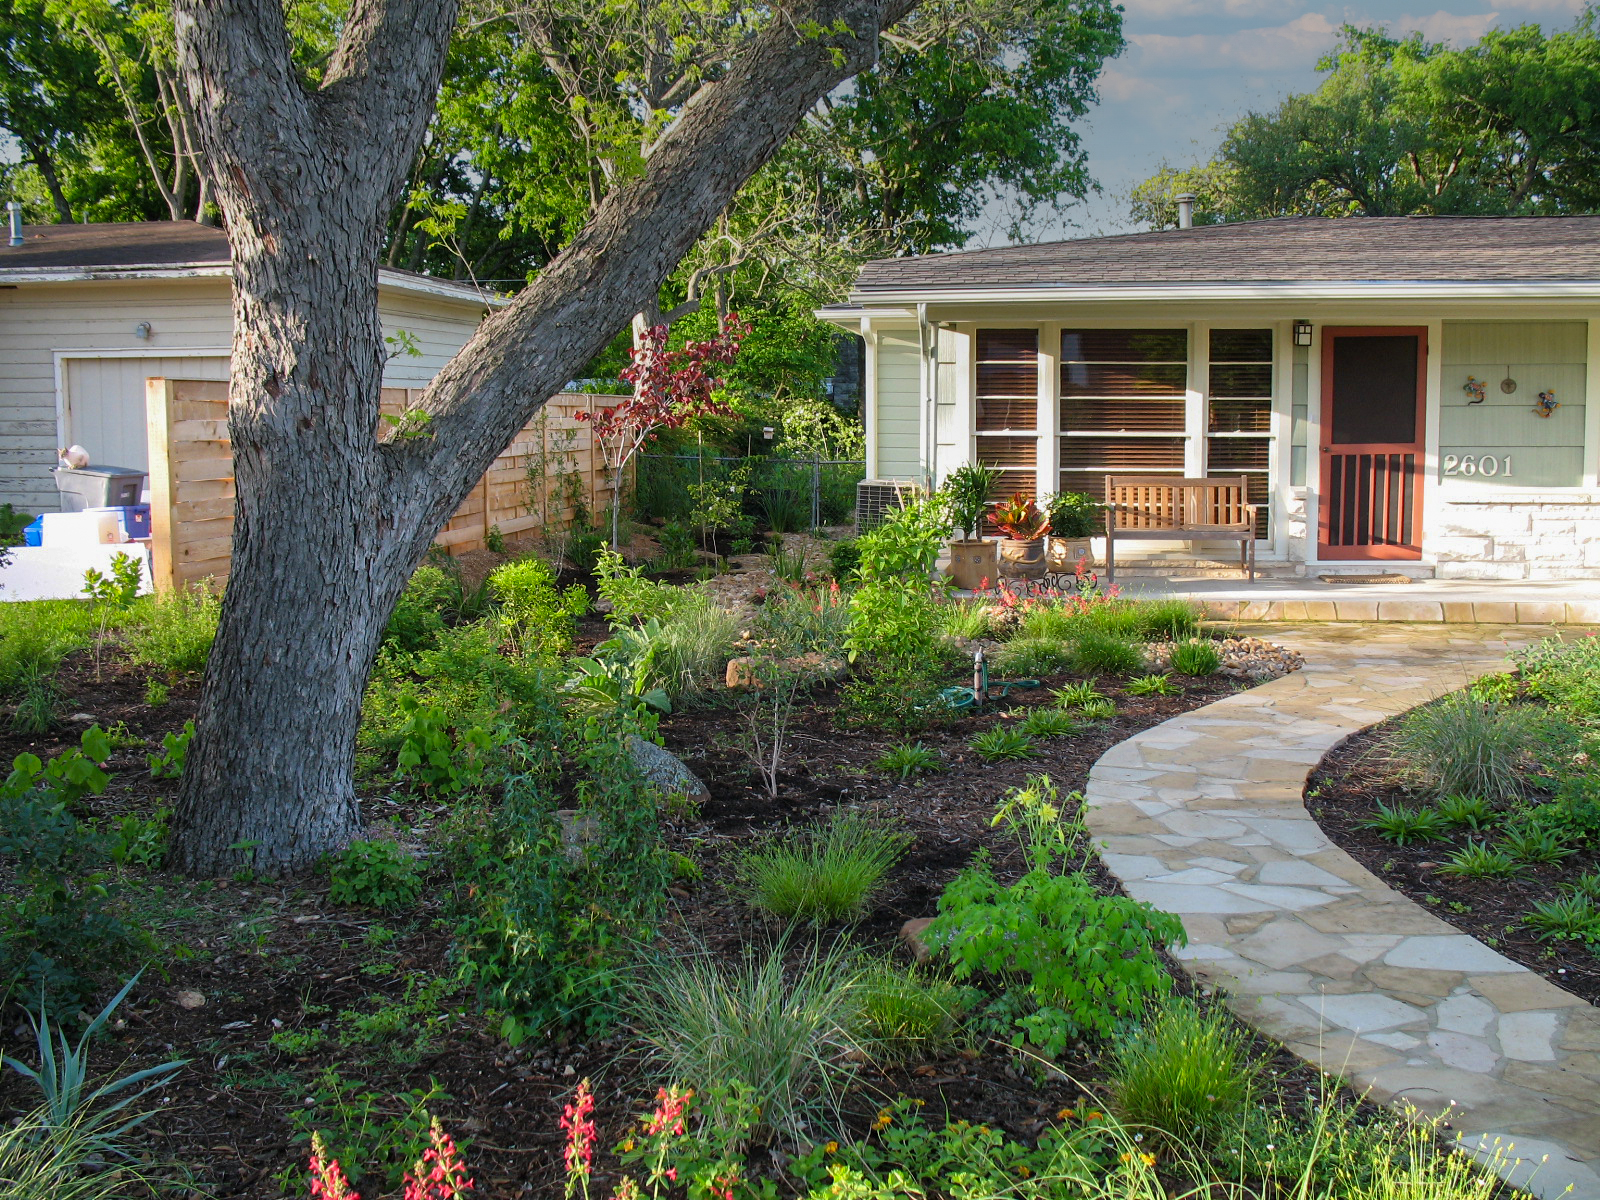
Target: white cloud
pixel 1291 47
pixel 1165 10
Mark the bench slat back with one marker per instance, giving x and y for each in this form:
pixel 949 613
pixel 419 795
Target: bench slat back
pixel 1157 502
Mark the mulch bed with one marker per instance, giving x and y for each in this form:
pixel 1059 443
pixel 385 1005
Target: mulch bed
pixel 1345 791
pixel 261 952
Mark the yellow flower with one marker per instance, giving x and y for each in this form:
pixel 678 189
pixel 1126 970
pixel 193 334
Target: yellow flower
pixel 1094 1114
pixel 885 1119
pixel 627 1145
pixel 1149 1159
pixel 1066 1114
pixel 1023 1172
pixel 832 1148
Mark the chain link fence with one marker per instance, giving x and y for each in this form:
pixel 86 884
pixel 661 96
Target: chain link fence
pixel 787 495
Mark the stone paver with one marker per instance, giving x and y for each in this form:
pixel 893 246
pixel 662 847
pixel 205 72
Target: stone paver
pixel 1203 817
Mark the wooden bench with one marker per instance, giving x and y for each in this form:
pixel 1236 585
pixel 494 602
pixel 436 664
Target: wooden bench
pixel 1163 508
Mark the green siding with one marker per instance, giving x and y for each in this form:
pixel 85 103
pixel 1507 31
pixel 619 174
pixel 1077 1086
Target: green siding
pixel 899 404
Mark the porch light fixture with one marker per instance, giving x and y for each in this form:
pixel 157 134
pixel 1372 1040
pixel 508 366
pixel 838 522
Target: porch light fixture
pixel 1302 333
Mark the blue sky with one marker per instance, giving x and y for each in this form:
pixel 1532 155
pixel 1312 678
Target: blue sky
pixel 1192 66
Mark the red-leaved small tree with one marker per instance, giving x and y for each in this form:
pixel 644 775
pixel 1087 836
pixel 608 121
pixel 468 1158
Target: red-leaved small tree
pixel 669 387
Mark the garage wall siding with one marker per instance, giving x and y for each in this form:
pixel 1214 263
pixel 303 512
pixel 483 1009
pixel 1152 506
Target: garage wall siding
pixel 899 404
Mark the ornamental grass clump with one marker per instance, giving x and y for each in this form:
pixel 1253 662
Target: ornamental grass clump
pixel 1195 657
pixel 1094 651
pixel 906 1017
pixel 1183 1072
pixel 1479 747
pixel 760 1039
pixel 1031 656
pixel 827 874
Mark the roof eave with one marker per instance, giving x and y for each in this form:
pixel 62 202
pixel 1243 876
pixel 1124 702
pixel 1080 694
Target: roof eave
pixel 420 285
pixel 1587 289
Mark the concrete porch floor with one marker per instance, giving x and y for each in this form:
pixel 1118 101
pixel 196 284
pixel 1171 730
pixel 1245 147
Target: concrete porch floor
pixel 1458 601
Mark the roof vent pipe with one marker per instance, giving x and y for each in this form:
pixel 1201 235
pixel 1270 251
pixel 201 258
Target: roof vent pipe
pixel 1185 210
pixel 14 208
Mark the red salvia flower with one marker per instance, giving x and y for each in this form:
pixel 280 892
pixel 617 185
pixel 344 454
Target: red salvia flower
pixel 327 1180
pixel 668 1115
pixel 580 1130
pixel 439 1174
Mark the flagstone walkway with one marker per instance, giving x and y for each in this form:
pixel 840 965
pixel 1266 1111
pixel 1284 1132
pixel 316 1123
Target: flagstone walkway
pixel 1203 816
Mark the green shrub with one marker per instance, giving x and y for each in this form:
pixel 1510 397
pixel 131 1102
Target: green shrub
pixel 176 631
pixel 1572 918
pixel 908 759
pixel 892 613
pixel 374 874
pixel 1493 687
pixel 1031 656
pixel 1151 685
pixel 1004 744
pixel 895 696
pixel 1183 1072
pixel 1196 658
pixel 633 597
pixel 542 619
pixel 1403 825
pixel 1564 674
pixel 1476 860
pixel 1170 620
pixel 827 874
pixel 762 1043
pixel 1573 812
pixel 1048 723
pixel 61 929
pixel 1083 962
pixel 1105 653
pixel 419 614
pixel 1460 811
pixel 1484 747
pixel 844 559
pixel 800 621
pixel 907 1018
pixel 965 620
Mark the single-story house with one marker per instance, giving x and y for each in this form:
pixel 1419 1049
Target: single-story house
pixel 88 312
pixel 1410 393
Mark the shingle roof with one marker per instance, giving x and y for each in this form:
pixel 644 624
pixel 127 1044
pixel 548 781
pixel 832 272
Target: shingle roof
pixel 116 244
pixel 1282 250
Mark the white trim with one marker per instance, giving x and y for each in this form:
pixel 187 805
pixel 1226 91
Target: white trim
pixel 1047 449
pixel 1431 514
pixel 1307 290
pixel 442 289
pixel 1591 409
pixel 869 398
pixel 1196 400
pixel 1314 467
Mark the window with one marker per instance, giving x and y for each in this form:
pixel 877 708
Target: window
pixel 1008 407
pixel 1239 416
pixel 1122 404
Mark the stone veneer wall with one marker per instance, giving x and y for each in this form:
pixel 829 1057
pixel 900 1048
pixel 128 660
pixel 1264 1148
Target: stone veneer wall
pixel 1552 535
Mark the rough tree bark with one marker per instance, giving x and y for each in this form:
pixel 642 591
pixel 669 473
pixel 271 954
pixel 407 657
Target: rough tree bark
pixel 330 522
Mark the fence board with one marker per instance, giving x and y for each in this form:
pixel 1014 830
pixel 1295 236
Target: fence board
pixel 550 470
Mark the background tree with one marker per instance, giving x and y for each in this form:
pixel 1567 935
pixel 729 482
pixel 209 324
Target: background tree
pixel 1506 125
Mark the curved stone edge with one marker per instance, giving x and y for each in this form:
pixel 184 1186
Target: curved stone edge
pixel 1203 816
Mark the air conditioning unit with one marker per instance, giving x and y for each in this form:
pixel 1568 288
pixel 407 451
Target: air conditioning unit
pixel 876 498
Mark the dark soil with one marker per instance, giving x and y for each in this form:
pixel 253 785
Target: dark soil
pixel 1345 791
pixel 267 956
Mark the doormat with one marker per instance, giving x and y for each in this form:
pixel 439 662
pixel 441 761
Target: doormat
pixel 1390 578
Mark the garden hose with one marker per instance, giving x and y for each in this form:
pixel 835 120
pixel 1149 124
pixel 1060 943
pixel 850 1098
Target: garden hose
pixel 960 698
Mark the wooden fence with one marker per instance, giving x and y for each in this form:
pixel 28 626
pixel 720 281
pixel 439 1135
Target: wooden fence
pixel 537 486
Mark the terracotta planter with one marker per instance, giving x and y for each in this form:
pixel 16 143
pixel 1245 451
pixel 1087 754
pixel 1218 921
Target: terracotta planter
pixel 1022 560
pixel 972 560
pixel 1063 554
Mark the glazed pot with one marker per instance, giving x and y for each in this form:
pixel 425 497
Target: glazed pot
pixel 972 560
pixel 1063 554
pixel 1022 560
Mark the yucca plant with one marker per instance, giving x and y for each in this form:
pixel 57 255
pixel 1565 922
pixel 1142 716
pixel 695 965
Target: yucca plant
pixel 1535 846
pixel 1461 811
pixel 1003 743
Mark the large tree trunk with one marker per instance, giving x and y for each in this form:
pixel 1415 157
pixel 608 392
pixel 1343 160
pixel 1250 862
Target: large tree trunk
pixel 331 522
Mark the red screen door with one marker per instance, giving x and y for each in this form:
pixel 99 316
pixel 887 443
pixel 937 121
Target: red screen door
pixel 1372 412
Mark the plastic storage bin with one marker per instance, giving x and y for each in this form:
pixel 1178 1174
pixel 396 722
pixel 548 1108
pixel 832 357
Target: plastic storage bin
pixel 98 487
pixel 33 534
pixel 81 529
pixel 133 518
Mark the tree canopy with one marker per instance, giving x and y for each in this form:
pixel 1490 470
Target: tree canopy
pixel 1504 126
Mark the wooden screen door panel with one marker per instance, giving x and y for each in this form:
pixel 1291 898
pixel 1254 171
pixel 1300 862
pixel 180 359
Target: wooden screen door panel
pixel 1373 382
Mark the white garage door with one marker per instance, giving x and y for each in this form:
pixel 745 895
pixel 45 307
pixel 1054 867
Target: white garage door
pixel 104 408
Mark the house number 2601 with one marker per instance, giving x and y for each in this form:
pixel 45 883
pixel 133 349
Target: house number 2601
pixel 1477 464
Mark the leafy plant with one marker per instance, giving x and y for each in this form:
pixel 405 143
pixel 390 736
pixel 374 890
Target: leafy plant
pixel 1184 1072
pixel 1174 620
pixel 1095 651
pixel 828 874
pixel 1151 685
pixel 168 764
pixel 897 696
pixel 1025 656
pixel 1576 918
pixel 965 620
pixel 631 596
pixel 756 1035
pixel 429 753
pixel 1076 695
pixel 1403 825
pixel 1481 747
pixel 677 547
pixel 1195 657
pixel 1476 860
pixel 1533 845
pixel 907 759
pixel 1566 674
pixel 1075 515
pixel 369 1134
pixel 844 559
pixel 176 631
pixel 966 495
pixel 892 614
pixel 1102 709
pixel 138 841
pixel 766 712
pixel 1499 687
pixel 1461 811
pixel 906 1017
pixel 155 692
pixel 118 589
pixel 1048 723
pixel 806 620
pixel 37 709
pixel 1004 744
pixel 1019 518
pixel 102 1117
pixel 1045 830
pixel 540 618
pixel 379 874
pixel 1085 962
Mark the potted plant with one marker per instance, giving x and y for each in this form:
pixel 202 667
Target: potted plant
pixel 1074 519
pixel 1024 526
pixel 966 496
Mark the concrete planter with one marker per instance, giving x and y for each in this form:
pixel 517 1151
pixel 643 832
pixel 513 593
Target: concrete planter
pixel 1022 560
pixel 1063 554
pixel 972 560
